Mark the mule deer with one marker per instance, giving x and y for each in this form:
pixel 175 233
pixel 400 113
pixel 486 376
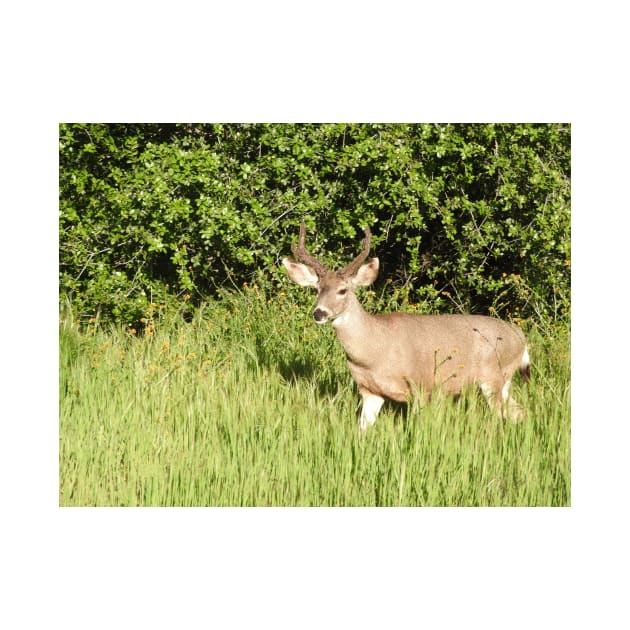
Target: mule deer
pixel 392 354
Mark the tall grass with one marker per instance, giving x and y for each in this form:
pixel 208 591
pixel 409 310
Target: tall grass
pixel 252 404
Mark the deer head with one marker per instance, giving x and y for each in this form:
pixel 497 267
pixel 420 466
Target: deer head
pixel 335 289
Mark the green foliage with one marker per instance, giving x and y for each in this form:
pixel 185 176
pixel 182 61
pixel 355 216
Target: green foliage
pixel 464 217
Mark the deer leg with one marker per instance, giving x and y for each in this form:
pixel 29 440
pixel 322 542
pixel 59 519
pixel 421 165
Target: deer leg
pixel 499 398
pixel 493 395
pixel 371 406
pixel 512 409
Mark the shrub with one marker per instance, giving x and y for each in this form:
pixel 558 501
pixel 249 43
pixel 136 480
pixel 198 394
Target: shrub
pixel 465 217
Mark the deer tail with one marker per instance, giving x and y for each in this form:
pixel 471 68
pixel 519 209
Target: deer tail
pixel 525 365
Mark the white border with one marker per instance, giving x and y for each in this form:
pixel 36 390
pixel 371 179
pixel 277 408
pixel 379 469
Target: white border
pixel 403 61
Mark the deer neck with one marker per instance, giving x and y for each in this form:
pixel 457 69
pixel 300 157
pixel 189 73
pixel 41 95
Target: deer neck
pixel 353 330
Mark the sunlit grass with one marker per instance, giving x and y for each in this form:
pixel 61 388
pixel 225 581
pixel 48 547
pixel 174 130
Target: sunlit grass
pixel 252 404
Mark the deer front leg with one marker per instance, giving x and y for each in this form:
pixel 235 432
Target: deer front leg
pixel 371 406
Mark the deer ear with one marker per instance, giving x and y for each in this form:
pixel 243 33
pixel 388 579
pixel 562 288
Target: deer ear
pixel 300 274
pixel 367 273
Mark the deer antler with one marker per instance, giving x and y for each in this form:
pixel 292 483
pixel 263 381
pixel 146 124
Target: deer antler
pixel 299 251
pixel 353 267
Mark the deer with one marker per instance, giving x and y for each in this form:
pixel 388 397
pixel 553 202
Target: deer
pixel 394 355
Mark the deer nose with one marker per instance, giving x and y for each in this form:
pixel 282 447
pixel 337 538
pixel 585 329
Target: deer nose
pixel 320 315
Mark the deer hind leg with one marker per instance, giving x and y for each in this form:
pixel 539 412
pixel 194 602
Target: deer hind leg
pixel 371 406
pixel 499 398
pixel 511 408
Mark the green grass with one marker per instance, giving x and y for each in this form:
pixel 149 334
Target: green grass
pixel 251 404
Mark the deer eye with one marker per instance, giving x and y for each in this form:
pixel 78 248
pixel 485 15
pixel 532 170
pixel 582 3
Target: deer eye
pixel 342 292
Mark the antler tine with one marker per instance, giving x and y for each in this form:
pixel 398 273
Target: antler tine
pixel 353 267
pixel 299 251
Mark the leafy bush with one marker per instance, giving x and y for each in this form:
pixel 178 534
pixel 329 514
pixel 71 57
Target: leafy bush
pixel 464 217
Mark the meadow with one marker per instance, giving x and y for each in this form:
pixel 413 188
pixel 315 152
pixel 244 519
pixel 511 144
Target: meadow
pixel 251 404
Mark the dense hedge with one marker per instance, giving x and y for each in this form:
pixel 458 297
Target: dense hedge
pixel 464 217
